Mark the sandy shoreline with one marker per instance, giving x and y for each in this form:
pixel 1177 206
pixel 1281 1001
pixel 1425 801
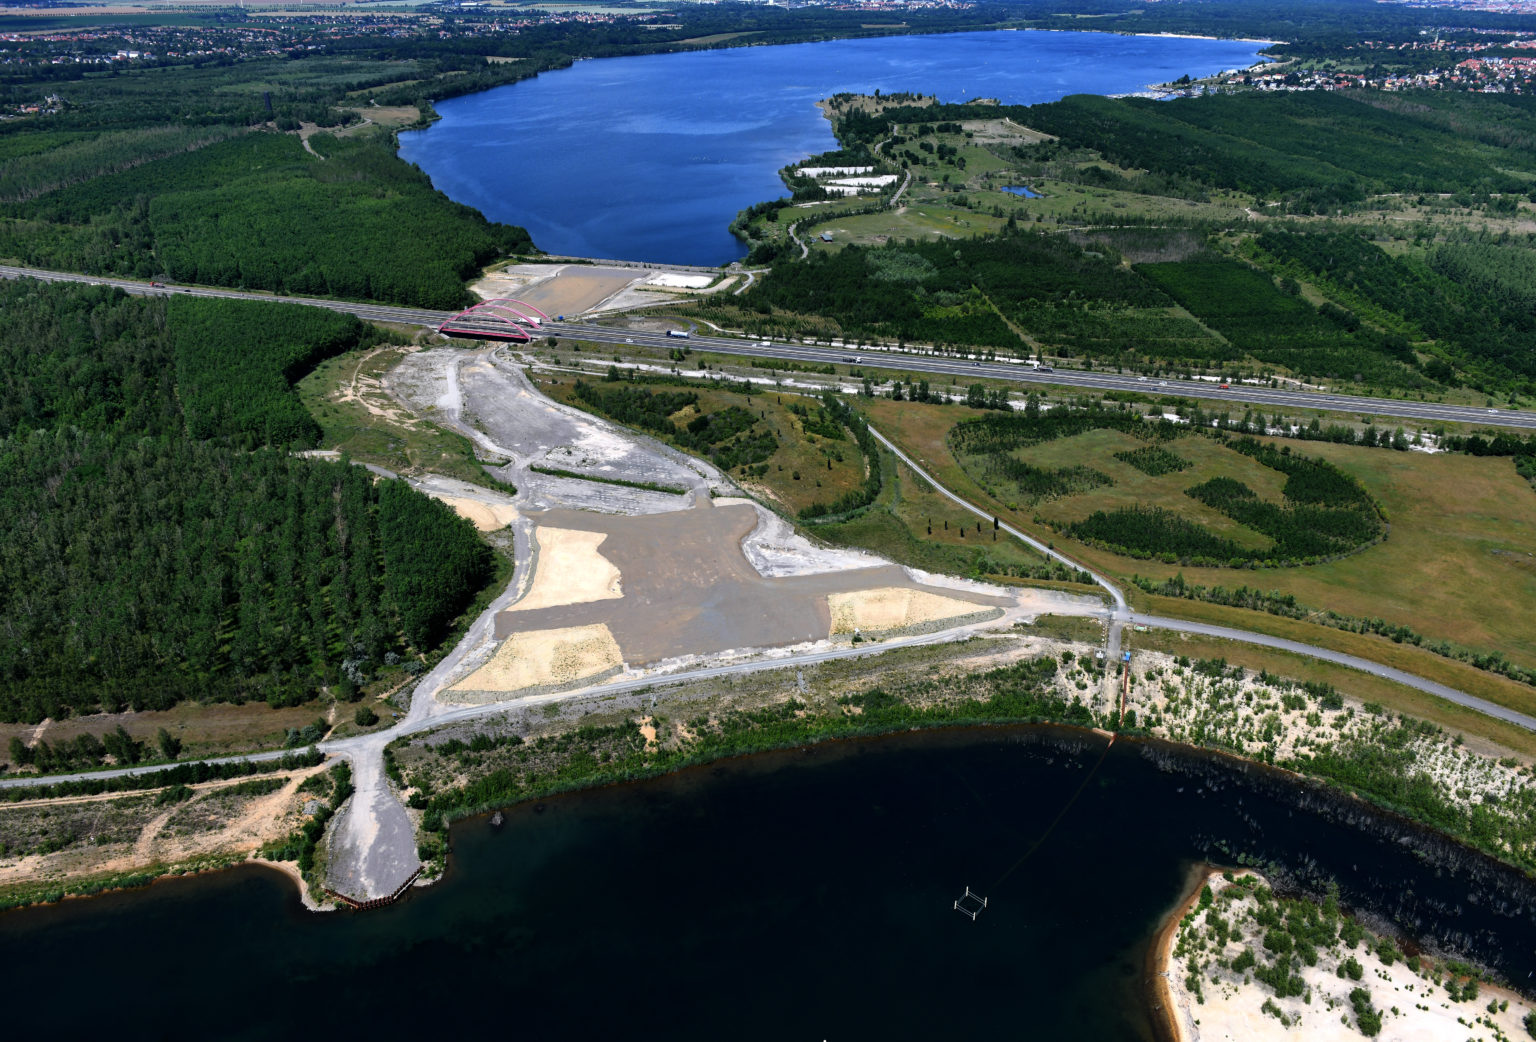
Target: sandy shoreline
pixel 1162 1010
pixel 1350 985
pixel 291 870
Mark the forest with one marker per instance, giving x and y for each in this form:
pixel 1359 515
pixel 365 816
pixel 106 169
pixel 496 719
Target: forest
pixel 1265 322
pixel 150 563
pixel 1313 151
pixel 966 292
pixel 254 211
pixel 237 361
pixel 1476 300
pixel 1406 306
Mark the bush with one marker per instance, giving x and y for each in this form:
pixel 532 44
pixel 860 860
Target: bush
pixel 365 716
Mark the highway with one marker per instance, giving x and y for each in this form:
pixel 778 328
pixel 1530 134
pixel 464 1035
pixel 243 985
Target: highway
pixel 961 371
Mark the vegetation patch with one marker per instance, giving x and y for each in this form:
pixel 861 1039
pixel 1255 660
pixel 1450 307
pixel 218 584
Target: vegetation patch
pixel 1153 460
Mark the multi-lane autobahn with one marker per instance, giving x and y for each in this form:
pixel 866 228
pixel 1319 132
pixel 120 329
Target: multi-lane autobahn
pixel 959 370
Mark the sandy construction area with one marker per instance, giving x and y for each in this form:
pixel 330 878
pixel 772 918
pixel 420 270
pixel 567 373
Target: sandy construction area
pixel 570 571
pixel 487 517
pixel 544 657
pixel 558 289
pixel 892 608
pixel 689 589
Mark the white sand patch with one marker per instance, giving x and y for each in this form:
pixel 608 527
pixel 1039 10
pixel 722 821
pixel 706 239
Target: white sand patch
pixel 544 657
pixel 570 570
pixel 893 608
pixel 775 549
pixel 1413 1007
pixel 677 280
pixel 487 517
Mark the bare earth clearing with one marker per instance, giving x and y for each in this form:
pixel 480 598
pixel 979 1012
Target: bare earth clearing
pixel 618 583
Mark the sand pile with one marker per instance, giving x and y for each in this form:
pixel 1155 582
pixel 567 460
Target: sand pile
pixel 892 608
pixel 487 517
pixel 570 571
pixel 544 658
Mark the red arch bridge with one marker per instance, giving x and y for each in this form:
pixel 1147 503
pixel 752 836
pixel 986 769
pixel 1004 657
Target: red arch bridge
pixel 500 319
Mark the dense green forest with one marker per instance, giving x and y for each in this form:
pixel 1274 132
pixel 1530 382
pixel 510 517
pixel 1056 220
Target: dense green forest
pixel 967 293
pixel 255 211
pixel 1477 300
pixel 237 361
pixel 1312 150
pixel 1262 321
pixel 156 554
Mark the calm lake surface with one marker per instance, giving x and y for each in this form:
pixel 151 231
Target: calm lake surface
pixel 802 895
pixel 651 157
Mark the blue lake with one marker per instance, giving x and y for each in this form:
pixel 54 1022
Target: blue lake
pixel 650 158
pixel 1028 193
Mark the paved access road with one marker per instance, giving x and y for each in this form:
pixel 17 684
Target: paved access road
pixel 960 370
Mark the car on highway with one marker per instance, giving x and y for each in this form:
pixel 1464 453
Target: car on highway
pixel 1141 379
pixel 1162 383
pixel 1226 387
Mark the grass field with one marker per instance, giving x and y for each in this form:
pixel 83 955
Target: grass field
pixel 914 525
pixel 1457 564
pixel 926 221
pixel 204 730
pixel 1096 449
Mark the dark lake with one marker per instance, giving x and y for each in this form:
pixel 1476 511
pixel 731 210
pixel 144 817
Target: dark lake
pixel 799 895
pixel 650 157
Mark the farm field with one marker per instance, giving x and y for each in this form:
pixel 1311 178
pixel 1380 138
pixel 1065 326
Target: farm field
pixel 1455 566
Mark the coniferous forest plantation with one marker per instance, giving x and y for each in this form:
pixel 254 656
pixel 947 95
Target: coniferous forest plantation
pixel 164 543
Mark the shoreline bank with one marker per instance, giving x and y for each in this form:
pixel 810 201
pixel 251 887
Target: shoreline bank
pixel 1162 1009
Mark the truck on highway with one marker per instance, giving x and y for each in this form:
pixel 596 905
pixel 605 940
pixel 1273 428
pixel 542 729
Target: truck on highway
pixel 681 334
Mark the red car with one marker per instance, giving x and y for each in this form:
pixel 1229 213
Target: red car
pixel 1226 387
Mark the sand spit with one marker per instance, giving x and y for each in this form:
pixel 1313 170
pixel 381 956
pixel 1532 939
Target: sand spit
pixel 540 659
pixel 1233 1006
pixel 570 571
pixel 888 608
